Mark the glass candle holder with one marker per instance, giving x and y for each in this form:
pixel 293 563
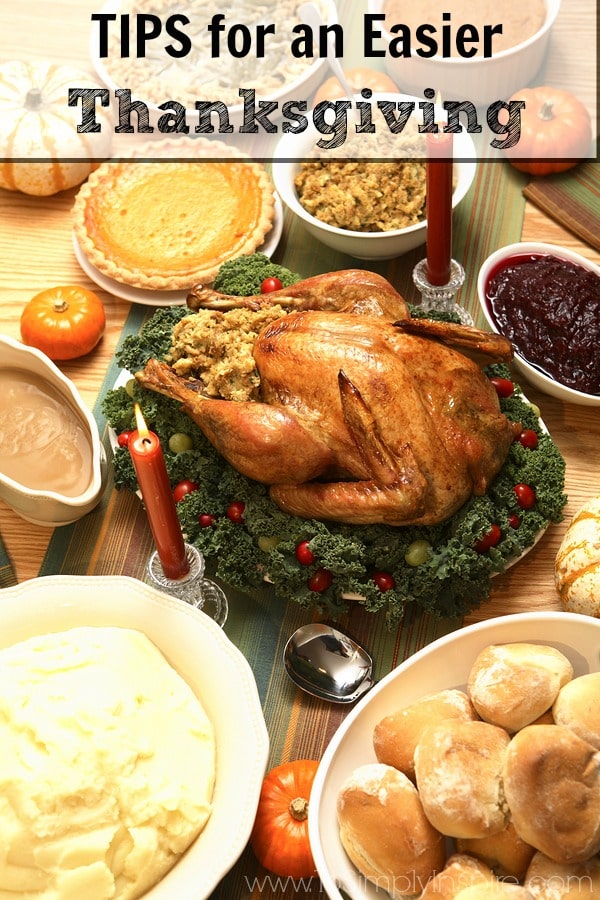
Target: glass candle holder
pixel 442 297
pixel 192 588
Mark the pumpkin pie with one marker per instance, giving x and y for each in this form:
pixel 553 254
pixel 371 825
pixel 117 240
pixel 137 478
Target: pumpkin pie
pixel 165 225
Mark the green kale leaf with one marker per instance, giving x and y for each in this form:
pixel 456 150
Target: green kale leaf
pixel 244 275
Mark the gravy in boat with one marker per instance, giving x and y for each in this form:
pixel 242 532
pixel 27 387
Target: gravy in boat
pixel 43 443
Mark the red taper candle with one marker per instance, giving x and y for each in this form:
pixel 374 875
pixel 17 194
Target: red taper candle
pixel 439 207
pixel 153 480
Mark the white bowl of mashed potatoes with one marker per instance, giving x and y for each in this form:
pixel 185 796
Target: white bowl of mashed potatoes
pixel 134 743
pixel 366 197
pixel 515 54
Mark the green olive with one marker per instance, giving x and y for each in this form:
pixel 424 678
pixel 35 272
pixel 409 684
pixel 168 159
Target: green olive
pixel 180 442
pixel 535 408
pixel 417 553
pixel 268 542
pixel 129 387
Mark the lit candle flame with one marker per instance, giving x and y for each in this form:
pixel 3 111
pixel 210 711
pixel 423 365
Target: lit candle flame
pixel 140 421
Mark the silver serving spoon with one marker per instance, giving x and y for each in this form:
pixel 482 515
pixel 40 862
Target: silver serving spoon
pixel 328 664
pixel 311 16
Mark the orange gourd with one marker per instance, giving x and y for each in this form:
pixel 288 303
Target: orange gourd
pixel 556 131
pixel 41 150
pixel 280 834
pixel 358 78
pixel 63 322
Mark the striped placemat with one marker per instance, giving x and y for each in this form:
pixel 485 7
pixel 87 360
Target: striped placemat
pixel 115 538
pixel 7 575
pixel 572 199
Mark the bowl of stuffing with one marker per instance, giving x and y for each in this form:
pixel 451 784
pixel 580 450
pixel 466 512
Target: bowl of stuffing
pixel 477 52
pixel 365 197
pixel 546 300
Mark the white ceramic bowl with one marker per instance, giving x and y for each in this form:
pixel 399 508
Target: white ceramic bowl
pixel 534 375
pixel 362 245
pixel 49 507
pixel 300 88
pixel 482 81
pixel 215 669
pixel 443 664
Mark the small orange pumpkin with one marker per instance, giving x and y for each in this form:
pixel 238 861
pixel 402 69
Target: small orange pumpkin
pixel 556 131
pixel 358 78
pixel 280 834
pixel 63 322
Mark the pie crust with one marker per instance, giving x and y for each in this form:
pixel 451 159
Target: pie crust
pixel 165 225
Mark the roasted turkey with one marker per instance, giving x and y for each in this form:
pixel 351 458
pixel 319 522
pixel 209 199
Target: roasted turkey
pixel 366 415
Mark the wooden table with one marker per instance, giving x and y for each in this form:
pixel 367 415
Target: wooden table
pixel 36 252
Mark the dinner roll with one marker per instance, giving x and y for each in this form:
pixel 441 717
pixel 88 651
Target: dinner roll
pixel 550 880
pixel 385 832
pixel 578 707
pixel 396 736
pixel 458 767
pixel 460 872
pixel 552 786
pixel 494 889
pixel 510 685
pixel 504 852
pixel 546 718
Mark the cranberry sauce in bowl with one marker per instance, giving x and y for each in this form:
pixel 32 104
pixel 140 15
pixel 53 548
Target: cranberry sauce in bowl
pixel 546 301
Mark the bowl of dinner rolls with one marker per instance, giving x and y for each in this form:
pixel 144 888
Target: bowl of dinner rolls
pixel 471 770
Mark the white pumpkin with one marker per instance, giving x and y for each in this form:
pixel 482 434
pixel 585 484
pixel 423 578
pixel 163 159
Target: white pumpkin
pixel 577 567
pixel 41 151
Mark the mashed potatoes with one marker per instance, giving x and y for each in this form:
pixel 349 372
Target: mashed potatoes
pixel 107 766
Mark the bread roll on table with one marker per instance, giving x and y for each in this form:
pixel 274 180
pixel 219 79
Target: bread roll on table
pixel 552 786
pixel 578 707
pixel 504 852
pixel 396 736
pixel 458 768
pixel 497 889
pixel 385 832
pixel 549 880
pixel 510 685
pixel 460 871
